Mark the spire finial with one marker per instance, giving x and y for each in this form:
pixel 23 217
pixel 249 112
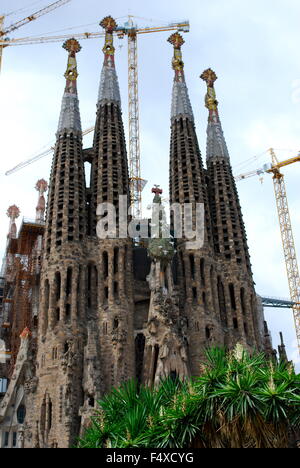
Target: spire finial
pixel 109 86
pixel 41 187
pixel 13 213
pixel 181 105
pixel 110 25
pixel 176 40
pixel 216 144
pixel 177 63
pixel 73 47
pixel 211 102
pixel 70 115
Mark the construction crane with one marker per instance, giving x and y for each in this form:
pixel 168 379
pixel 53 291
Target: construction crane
pixel 23 22
pixel 131 31
pixel 285 228
pixel 41 155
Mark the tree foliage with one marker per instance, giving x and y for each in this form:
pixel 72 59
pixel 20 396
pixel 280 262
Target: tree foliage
pixel 239 401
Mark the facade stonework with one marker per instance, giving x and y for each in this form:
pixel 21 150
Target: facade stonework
pixel 110 310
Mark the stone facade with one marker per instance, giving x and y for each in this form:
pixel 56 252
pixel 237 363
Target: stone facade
pixel 111 310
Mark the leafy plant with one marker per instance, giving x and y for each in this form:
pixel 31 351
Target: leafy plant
pixel 238 400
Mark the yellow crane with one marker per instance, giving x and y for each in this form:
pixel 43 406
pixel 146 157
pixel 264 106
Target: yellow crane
pixel 23 22
pixel 286 231
pixel 132 31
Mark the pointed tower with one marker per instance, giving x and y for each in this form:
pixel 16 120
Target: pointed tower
pixel 166 352
pixel 41 187
pixel 13 213
pixel 235 281
pixel 112 256
pixel 196 268
pixel 53 417
pixel 109 176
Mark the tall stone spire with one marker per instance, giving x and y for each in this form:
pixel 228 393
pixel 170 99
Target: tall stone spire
pixel 70 116
pixel 109 174
pixel 62 307
pixel 66 218
pixel 41 187
pixel 186 167
pixel 237 296
pixel 181 105
pixel 109 86
pixel 196 268
pixel 216 144
pixel 109 181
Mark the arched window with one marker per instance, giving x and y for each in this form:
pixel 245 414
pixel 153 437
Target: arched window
pixel 21 414
pixel 222 304
pixel 139 356
pixel 46 305
pixel 243 301
pixel 116 324
pixel 232 296
pixel 69 281
pixel 195 297
pixel 57 285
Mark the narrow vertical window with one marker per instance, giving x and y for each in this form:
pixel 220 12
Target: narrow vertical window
pixel 116 260
pixel 69 281
pixel 202 271
pixel 192 266
pixel 57 285
pixel 105 264
pixel 232 296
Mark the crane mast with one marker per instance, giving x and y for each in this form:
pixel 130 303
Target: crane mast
pixel 287 240
pixel 286 231
pixel 136 182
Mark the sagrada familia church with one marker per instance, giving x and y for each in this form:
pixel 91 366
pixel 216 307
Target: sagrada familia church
pixel 80 315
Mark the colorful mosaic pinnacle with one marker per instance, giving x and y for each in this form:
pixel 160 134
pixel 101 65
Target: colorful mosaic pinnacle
pixel 13 212
pixel 41 186
pixel 176 40
pixel 73 47
pixel 177 63
pixel 109 24
pixel 210 77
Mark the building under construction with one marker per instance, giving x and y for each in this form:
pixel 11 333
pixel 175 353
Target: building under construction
pixel 81 314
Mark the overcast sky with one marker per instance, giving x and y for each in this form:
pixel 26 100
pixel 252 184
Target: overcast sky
pixel 254 48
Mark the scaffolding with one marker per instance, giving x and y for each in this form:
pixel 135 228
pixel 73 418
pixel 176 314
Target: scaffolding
pixel 23 261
